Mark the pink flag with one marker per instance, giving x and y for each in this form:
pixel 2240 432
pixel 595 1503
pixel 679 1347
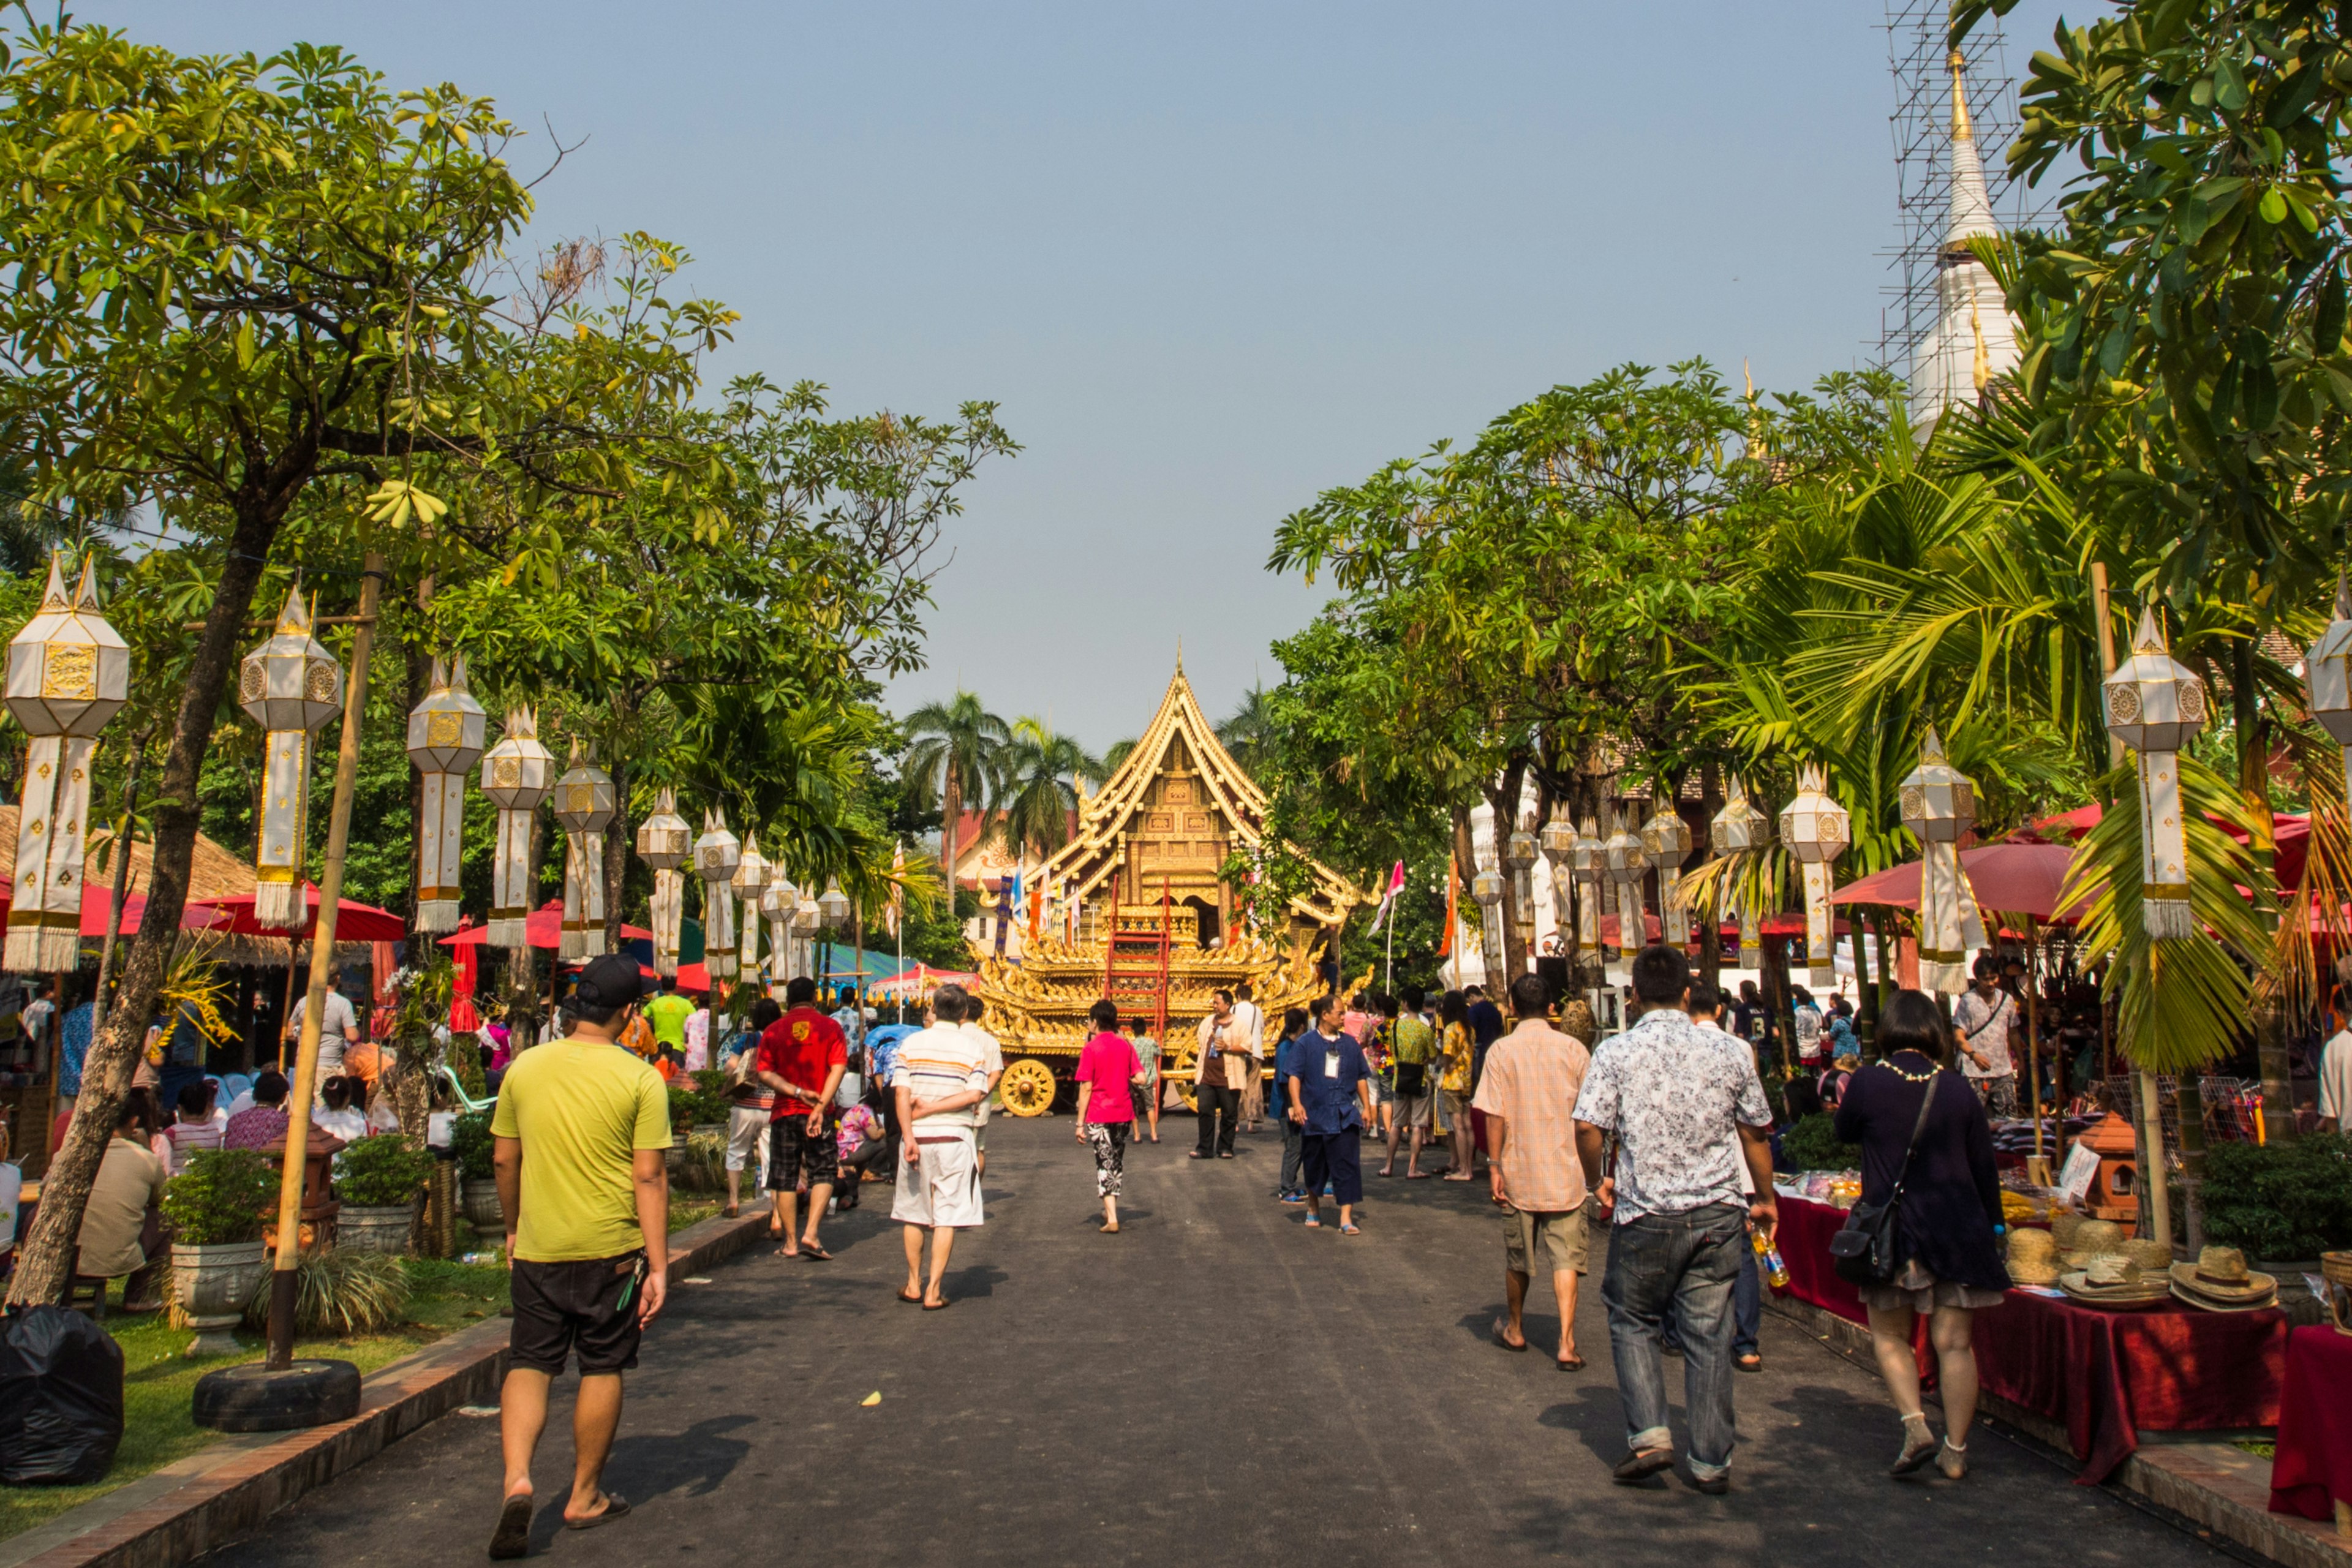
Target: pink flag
pixel 1388 898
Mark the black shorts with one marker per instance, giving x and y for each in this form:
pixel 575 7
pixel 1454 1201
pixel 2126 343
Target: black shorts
pixel 792 1149
pixel 589 1306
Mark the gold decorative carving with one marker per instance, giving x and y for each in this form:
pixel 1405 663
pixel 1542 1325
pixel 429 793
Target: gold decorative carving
pixel 69 672
pixel 506 773
pixel 445 728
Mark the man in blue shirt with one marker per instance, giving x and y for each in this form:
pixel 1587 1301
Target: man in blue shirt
pixel 1286 1068
pixel 1330 1100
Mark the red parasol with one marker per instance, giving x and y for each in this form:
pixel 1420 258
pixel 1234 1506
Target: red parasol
pixel 97 899
pixel 544 927
pixel 354 922
pixel 2008 879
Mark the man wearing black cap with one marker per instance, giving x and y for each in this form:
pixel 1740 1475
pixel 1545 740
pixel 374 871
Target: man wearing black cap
pixel 582 1126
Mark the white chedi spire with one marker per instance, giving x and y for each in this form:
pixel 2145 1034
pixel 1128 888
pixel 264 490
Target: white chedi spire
pixel 1973 341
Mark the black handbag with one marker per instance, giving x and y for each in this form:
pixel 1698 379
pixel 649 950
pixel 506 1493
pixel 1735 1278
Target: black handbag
pixel 1413 1079
pixel 1863 1251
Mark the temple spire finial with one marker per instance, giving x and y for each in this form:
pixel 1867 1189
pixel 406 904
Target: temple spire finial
pixel 1961 131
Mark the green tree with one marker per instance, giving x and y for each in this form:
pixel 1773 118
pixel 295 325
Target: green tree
pixel 956 760
pixel 239 278
pixel 1042 771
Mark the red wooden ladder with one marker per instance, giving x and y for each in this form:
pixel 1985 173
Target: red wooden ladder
pixel 1135 964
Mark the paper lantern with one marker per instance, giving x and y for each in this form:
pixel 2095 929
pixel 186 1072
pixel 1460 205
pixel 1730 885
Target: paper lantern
pixel 716 855
pixel 1740 829
pixel 1939 806
pixel 1486 887
pixel 834 903
pixel 1627 862
pixel 2328 679
pixel 751 881
pixel 1667 839
pixel 289 686
pixel 1816 829
pixel 446 732
pixel 1587 862
pixel 1558 842
pixel 779 902
pixel 2156 705
pixel 1519 854
pixel 69 673
pixel 585 805
pixel 517 774
pixel 665 844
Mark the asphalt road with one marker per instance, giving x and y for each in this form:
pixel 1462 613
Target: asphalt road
pixel 1215 1386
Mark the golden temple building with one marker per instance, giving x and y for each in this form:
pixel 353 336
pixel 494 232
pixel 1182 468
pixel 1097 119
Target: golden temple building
pixel 1136 907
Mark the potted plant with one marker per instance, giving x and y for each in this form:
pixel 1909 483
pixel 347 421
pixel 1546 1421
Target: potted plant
pixel 216 1209
pixel 477 1176
pixel 380 1181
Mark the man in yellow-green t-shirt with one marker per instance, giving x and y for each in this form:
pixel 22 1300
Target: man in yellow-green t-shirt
pixel 667 1013
pixel 581 1130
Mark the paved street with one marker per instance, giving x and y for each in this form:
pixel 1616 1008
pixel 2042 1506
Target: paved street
pixel 1213 1386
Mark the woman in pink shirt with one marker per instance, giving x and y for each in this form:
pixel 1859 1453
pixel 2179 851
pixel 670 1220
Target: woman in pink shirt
pixel 1107 1074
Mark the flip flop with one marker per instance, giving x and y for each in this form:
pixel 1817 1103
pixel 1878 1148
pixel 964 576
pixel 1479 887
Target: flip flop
pixel 615 1507
pixel 512 1537
pixel 810 1249
pixel 939 1306
pixel 1313 1223
pixel 1384 1175
pixel 914 1300
pixel 1416 1175
pixel 1496 1335
pixel 1351 1229
pixel 785 1252
pixel 1569 1364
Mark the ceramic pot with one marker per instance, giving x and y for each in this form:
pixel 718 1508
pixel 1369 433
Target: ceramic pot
pixel 212 1285
pixel 365 1228
pixel 480 1199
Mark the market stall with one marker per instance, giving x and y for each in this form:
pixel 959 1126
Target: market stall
pixel 2312 1473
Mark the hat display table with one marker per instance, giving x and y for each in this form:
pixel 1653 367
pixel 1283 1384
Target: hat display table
pixel 1806 1227
pixel 2311 1475
pixel 2108 1376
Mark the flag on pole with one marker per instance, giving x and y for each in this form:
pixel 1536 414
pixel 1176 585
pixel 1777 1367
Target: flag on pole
pixel 898 889
pixel 1388 899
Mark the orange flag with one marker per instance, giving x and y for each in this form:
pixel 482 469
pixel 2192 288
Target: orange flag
pixel 1445 939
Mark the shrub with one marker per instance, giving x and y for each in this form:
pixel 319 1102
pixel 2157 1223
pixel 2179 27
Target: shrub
pixel 340 1292
pixel 224 1195
pixel 703 1167
pixel 2282 1200
pixel 383 1171
pixel 470 1140
pixel 1812 1145
pixel 690 1107
pixel 712 1083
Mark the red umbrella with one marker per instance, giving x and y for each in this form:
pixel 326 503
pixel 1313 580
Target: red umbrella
pixel 354 922
pixel 544 927
pixel 97 899
pixel 2009 878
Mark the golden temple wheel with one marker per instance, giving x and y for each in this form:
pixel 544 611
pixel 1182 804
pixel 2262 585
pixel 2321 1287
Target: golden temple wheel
pixel 1179 1073
pixel 1027 1087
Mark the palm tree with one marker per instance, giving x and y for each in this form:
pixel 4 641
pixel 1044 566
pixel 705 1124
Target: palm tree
pixel 1116 758
pixel 1246 730
pixel 1042 769
pixel 958 756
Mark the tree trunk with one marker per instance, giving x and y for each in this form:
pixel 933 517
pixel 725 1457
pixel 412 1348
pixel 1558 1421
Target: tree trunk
pixel 1710 928
pixel 2189 1110
pixel 2253 783
pixel 951 811
pixel 44 1268
pixel 420 686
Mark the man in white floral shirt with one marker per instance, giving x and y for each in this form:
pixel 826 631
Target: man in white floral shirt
pixel 1688 1111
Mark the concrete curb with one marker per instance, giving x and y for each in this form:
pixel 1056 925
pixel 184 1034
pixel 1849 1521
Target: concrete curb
pixel 210 1499
pixel 2215 1484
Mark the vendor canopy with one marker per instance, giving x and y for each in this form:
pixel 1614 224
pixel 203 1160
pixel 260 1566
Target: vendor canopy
pixel 2009 878
pixel 542 927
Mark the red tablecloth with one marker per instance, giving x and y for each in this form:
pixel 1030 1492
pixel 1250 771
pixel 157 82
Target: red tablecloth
pixel 2108 1376
pixel 2314 1468
pixel 1805 1230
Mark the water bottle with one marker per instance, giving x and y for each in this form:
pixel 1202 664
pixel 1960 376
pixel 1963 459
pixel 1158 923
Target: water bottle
pixel 1767 1257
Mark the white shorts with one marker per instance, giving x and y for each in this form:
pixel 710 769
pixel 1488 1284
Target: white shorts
pixel 745 1131
pixel 942 1190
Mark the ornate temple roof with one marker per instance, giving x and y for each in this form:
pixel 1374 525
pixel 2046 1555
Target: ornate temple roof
pixel 1974 340
pixel 1180 740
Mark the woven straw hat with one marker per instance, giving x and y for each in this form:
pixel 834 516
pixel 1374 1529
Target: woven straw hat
pixel 2097 1235
pixel 2063 1227
pixel 2220 1279
pixel 2029 1244
pixel 2154 1257
pixel 2033 1270
pixel 2112 1279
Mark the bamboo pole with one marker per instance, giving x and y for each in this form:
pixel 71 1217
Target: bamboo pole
pixel 322 961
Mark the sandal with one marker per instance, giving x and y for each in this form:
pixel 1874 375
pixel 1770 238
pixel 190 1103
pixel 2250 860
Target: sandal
pixel 1313 1223
pixel 1751 1362
pixel 810 1249
pixel 1496 1335
pixel 1568 1363
pixel 914 1300
pixel 615 1507
pixel 1349 1228
pixel 940 1306
pixel 512 1537
pixel 1916 1451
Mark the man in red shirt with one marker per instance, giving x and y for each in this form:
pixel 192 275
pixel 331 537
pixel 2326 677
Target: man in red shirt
pixel 802 1056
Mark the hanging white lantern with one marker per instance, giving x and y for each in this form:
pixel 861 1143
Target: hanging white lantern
pixel 806 918
pixel 751 882
pixel 517 774
pixel 834 903
pixel 665 844
pixel 1816 829
pixel 1939 806
pixel 1667 840
pixel 289 686
pixel 778 901
pixel 2156 705
pixel 1587 862
pixel 69 673
pixel 1627 862
pixel 1740 829
pixel 1520 855
pixel 716 855
pixel 585 805
pixel 2328 679
pixel 446 737
pixel 1558 842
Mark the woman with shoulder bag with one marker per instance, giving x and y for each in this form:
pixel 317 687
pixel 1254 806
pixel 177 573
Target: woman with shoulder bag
pixel 1927 1150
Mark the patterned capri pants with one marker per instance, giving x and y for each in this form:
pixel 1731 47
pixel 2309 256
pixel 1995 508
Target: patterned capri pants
pixel 1110 1139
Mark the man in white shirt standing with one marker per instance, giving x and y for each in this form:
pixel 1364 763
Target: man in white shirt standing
pixel 2335 1074
pixel 337 1025
pixel 992 1056
pixel 1981 1022
pixel 940 1081
pixel 1249 1018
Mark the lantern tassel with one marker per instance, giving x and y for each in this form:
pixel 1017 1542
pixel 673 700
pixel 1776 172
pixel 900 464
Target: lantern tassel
pixel 510 876
pixel 1821 926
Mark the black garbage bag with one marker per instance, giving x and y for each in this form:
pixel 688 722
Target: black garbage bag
pixel 60 1398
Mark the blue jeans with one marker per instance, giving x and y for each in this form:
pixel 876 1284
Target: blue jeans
pixel 1680 1267
pixel 1746 1305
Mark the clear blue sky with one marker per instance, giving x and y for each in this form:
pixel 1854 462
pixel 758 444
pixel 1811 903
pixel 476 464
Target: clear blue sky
pixel 1210 258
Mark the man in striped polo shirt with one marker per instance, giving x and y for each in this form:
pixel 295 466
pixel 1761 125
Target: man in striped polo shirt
pixel 941 1078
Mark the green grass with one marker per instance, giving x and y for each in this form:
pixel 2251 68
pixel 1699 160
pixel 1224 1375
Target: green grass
pixel 159 1382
